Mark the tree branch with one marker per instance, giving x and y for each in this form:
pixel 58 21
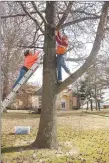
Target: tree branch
pixel 43 11
pixel 64 15
pixel 39 13
pixel 75 59
pixel 24 46
pixel 34 39
pixel 80 20
pixel 21 3
pixel 94 51
pixel 64 25
pixel 83 12
pixel 16 15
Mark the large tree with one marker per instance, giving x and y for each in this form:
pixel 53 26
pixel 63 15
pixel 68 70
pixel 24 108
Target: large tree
pixel 47 137
pixel 47 133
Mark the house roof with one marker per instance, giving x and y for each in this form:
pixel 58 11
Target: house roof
pixel 30 89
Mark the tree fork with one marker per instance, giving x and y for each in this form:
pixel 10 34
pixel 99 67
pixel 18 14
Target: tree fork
pixel 94 51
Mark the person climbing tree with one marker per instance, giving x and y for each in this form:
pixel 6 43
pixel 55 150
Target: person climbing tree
pixel 28 62
pixel 61 49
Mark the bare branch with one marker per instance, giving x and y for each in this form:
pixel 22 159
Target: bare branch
pixel 83 12
pixel 35 36
pixel 65 15
pixel 75 59
pixel 43 11
pixel 107 29
pixel 39 13
pixel 16 15
pixel 24 46
pixel 94 51
pixel 31 17
pixel 80 20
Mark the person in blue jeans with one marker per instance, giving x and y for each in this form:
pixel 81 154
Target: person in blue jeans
pixel 29 60
pixel 60 51
pixel 23 71
pixel 61 64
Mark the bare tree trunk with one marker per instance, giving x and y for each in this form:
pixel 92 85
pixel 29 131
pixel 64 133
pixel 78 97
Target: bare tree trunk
pixel 91 105
pixel 99 105
pixel 5 91
pixel 5 86
pixel 87 105
pixel 47 133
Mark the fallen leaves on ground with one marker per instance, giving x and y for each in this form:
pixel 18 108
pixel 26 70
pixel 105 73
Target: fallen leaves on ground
pixel 83 138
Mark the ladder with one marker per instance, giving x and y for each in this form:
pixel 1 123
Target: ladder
pixel 12 94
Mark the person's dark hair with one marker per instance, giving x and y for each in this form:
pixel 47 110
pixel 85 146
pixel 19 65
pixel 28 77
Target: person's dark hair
pixel 26 53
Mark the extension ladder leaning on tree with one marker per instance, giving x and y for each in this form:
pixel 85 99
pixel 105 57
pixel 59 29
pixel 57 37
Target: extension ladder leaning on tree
pixel 29 73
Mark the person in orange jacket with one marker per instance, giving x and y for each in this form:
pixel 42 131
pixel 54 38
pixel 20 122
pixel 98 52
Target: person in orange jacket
pixel 29 60
pixel 61 49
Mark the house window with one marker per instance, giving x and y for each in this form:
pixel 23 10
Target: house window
pixel 63 104
pixel 40 101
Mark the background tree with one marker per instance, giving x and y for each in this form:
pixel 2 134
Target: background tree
pixel 13 35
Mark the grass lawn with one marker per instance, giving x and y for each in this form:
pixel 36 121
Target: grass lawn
pixel 83 137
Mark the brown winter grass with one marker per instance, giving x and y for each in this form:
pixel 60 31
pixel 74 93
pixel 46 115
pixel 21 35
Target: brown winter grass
pixel 83 138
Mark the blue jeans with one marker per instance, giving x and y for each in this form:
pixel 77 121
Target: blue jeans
pixel 21 74
pixel 61 63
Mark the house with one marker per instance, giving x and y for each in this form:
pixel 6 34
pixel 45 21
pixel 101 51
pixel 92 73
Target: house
pixel 26 99
pixel 31 99
pixel 67 100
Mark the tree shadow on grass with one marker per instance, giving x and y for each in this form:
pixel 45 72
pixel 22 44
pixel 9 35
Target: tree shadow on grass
pixel 11 133
pixel 71 114
pixel 13 115
pixel 17 149
pixel 97 113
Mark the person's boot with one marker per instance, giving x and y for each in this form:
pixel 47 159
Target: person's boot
pixel 70 73
pixel 59 81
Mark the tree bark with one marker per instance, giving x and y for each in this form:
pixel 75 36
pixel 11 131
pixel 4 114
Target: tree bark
pixel 5 83
pixel 47 133
pixel 91 105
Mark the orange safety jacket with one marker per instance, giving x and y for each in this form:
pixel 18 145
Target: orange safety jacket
pixel 30 60
pixel 62 45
